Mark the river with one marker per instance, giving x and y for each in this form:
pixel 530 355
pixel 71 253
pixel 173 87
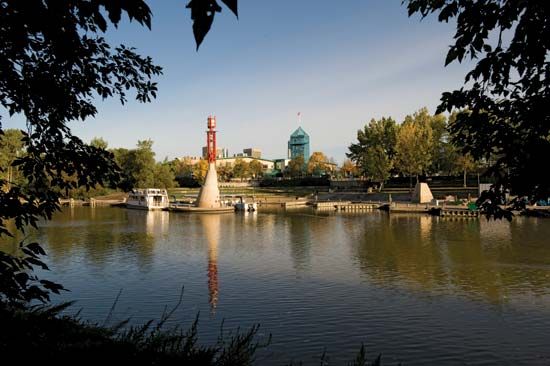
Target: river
pixel 418 289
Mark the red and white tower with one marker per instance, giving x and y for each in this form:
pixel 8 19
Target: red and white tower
pixel 209 195
pixel 211 139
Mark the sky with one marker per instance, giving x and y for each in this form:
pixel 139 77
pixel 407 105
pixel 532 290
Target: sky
pixel 338 65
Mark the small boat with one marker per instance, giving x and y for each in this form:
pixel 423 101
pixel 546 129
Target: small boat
pixel 246 207
pixel 148 199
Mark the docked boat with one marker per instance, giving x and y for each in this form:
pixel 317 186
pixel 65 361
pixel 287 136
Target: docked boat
pixel 148 199
pixel 246 207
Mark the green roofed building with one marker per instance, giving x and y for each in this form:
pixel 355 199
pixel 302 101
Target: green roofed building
pixel 298 144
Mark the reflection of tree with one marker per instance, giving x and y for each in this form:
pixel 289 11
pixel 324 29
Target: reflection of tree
pixel 211 227
pixel 475 258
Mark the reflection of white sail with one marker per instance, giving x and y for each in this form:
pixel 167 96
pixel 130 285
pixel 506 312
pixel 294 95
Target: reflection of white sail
pixel 425 227
pixel 156 222
pixel 211 228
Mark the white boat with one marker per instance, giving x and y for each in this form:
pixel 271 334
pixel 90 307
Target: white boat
pixel 246 207
pixel 148 199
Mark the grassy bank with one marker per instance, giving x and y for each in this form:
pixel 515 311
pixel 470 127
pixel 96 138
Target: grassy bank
pixel 39 335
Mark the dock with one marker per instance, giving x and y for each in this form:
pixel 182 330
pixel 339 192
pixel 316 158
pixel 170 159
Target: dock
pixel 295 204
pixel 456 212
pixel 347 206
pixel 404 207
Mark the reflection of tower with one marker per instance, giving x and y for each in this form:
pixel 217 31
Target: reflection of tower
pixel 211 226
pixel 209 195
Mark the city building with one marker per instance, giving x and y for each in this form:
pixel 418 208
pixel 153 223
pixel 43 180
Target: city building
pixel 253 152
pixel 220 153
pixel 298 144
pixel 230 162
pixel 280 164
pixel 192 160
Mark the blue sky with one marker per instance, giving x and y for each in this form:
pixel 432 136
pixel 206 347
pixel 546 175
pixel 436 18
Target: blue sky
pixel 338 66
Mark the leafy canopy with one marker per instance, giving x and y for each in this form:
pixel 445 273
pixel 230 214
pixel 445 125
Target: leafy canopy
pixel 507 91
pixel 54 62
pixel 374 151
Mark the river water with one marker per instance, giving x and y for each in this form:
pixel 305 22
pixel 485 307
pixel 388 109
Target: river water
pixel 418 289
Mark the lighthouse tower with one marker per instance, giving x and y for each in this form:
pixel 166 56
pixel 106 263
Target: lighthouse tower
pixel 209 195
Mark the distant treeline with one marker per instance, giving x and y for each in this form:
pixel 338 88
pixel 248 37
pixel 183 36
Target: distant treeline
pixel 419 146
pixel 385 153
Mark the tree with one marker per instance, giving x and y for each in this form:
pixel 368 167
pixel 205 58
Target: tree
pixel 183 167
pixel 414 145
pixel 99 142
pixel 464 164
pixel 11 148
pixel 440 142
pixel 53 59
pixel 256 168
pixel 348 169
pixel 142 164
pixel 241 169
pixel 374 153
pixel 317 163
pixel 137 165
pixel 163 176
pixel 199 170
pixel 296 167
pixel 202 14
pixel 224 172
pixel 506 93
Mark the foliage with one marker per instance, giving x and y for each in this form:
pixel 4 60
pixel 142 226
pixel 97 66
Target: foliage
pixel 317 164
pixel 348 169
pixel 506 92
pixel 414 146
pixel 202 14
pixel 163 176
pixel 374 153
pixel 199 170
pixel 18 284
pixel 182 167
pixel 241 169
pixel 464 164
pixel 225 172
pixel 296 167
pixel 53 60
pixel 11 148
pixel 99 142
pixel 256 169
pixel 442 148
pixel 137 165
pixel 43 333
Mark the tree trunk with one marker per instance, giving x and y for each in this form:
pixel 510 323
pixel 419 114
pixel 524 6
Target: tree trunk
pixel 464 178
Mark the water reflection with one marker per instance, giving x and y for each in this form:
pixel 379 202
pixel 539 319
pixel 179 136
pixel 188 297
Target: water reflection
pixel 300 241
pixel 211 229
pixel 427 290
pixel 477 258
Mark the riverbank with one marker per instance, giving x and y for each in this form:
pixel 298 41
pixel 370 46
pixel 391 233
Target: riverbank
pixel 35 336
pixel 390 199
pixel 43 334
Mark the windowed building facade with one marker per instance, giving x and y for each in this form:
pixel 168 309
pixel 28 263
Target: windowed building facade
pixel 298 144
